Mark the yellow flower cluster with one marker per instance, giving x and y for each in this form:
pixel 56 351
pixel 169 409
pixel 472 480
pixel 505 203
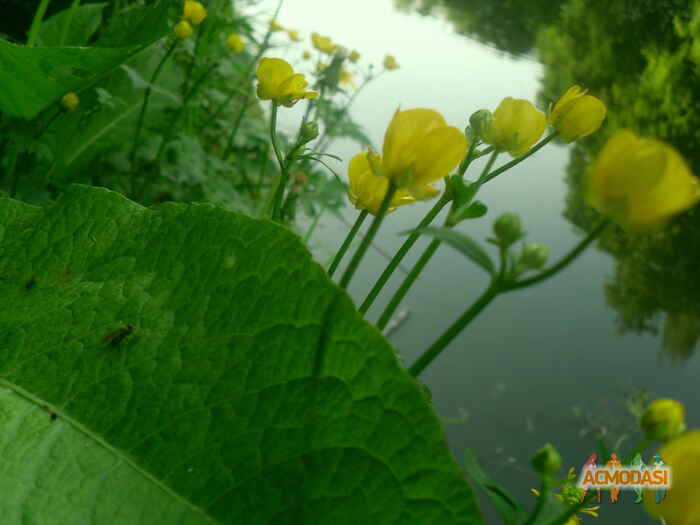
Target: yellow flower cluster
pixel 278 82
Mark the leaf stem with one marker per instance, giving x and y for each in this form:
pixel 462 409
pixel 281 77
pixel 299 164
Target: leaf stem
pixel 369 237
pixel 407 283
pixel 346 243
pixel 518 160
pixel 66 27
pixel 544 491
pixel 460 324
pixel 36 22
pixel 146 97
pixel 401 253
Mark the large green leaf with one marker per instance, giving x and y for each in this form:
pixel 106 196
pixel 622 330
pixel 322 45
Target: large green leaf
pixel 248 391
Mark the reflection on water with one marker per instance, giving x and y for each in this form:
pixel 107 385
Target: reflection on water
pixel 642 58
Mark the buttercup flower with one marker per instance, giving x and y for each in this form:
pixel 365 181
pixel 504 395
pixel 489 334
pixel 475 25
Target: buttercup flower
pixel 517 124
pixel 235 43
pixel 194 12
pixel 278 82
pixel 419 149
pixel 681 506
pixel 323 43
pixel 346 78
pixel 663 419
pixel 354 56
pixel 293 35
pixel 320 67
pixel 183 29
pixel 367 189
pixel 276 26
pixel 571 494
pixel 576 114
pixel 70 101
pixel 306 55
pixel 390 63
pixel 640 182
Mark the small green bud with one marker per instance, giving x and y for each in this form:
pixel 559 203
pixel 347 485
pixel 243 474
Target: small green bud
pixel 480 123
pixel 663 419
pixel 546 460
pixel 70 101
pixel 309 131
pixel 508 228
pixel 534 256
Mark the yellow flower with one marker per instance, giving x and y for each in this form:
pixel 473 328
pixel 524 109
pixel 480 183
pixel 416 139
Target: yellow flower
pixel 70 101
pixel 354 56
pixel 276 26
pixel 194 12
pixel 640 182
pixel 663 419
pixel 183 29
pixel 306 55
pixel 346 78
pixel 323 43
pixel 390 63
pixel 320 67
pixel 576 114
pixel 235 43
pixel 517 124
pixel 278 82
pixel 293 35
pixel 420 148
pixel 367 189
pixel 681 506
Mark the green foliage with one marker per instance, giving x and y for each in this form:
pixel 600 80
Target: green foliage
pixel 249 390
pixel 71 29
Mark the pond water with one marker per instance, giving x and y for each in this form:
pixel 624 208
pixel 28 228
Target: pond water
pixel 546 364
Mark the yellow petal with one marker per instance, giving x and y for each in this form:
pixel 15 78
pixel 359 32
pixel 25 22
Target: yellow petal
pixel 404 135
pixel 271 73
pixel 439 152
pixel 367 190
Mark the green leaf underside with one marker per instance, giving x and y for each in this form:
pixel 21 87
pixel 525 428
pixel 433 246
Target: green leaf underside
pixel 463 244
pixel 80 26
pixel 249 391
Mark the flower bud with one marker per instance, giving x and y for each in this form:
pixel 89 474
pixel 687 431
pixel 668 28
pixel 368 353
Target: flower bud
pixel 517 125
pixel 534 256
pixel 663 419
pixel 70 101
pixel 183 29
pixel 354 56
pixel 235 43
pixel 508 228
pixel 309 131
pixel 546 460
pixel 576 114
pixel 390 63
pixel 480 122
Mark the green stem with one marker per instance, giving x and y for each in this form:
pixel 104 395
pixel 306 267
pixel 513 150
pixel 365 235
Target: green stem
pixel 485 173
pixel 66 27
pixel 460 324
pixel 407 283
pixel 369 237
pixel 401 253
pixel 531 151
pixel 346 243
pixel 544 491
pixel 244 81
pixel 572 511
pixel 11 172
pixel 36 22
pixel 284 172
pixel 468 159
pixel 563 263
pixel 146 97
pixel 313 225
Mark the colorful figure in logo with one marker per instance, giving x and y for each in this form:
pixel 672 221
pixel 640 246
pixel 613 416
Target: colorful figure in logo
pixel 660 493
pixel 590 463
pixel 614 463
pixel 638 463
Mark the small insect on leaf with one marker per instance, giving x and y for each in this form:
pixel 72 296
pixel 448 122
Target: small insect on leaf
pixel 115 337
pixel 31 283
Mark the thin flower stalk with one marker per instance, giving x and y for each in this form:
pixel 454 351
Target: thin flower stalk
pixel 346 243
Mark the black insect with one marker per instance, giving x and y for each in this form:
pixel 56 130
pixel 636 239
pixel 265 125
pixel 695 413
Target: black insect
pixel 31 283
pixel 115 337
